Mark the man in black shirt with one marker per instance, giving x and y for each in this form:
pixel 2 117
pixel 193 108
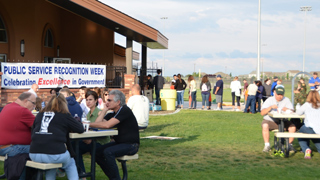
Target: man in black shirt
pixel 158 83
pixel 126 142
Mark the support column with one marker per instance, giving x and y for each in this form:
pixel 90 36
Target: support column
pixel 129 56
pixel 143 70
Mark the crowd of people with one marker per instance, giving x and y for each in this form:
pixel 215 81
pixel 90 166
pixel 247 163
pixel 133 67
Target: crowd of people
pixel 44 137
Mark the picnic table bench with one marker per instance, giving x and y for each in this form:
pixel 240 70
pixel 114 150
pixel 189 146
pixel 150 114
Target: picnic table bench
pixel 41 167
pixel 288 135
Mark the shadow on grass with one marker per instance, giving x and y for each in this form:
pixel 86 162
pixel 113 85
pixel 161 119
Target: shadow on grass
pixel 157 128
pixel 158 142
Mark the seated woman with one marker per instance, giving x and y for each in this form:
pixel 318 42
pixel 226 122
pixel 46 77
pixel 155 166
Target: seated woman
pixel 311 109
pixel 50 136
pixel 86 145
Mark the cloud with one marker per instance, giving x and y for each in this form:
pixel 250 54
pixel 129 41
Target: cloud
pixel 222 35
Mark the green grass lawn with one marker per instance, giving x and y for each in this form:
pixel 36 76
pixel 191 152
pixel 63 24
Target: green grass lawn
pixel 214 145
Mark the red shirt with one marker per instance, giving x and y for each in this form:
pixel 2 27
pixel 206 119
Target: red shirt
pixel 15 125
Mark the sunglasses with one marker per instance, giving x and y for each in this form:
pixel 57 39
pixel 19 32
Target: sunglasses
pixel 109 100
pixel 106 94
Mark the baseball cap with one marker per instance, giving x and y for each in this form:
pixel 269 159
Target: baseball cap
pixel 219 76
pixel 276 77
pixel 280 90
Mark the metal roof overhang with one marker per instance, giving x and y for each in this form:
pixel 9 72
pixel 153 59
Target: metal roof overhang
pixel 116 21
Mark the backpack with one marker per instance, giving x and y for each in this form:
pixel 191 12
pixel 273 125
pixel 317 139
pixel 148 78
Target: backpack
pixel 204 87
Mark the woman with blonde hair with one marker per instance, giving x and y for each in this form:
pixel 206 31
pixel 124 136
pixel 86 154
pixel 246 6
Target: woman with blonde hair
pixel 50 143
pixel 235 87
pixel 205 87
pixel 192 92
pixel 311 109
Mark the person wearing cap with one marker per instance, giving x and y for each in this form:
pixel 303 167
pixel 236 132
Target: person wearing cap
pixel 275 79
pixel 219 92
pixel 314 81
pixel 273 104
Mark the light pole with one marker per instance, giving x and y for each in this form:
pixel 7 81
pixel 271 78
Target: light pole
pixel 262 64
pixel 259 40
pixel 164 29
pixel 305 9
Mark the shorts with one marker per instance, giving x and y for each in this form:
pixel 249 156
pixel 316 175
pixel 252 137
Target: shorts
pixel 219 98
pixel 273 125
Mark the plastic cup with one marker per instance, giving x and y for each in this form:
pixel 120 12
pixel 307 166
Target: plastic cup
pixel 86 127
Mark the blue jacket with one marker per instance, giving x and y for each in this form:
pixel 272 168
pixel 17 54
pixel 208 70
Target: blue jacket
pixel 73 106
pixel 273 86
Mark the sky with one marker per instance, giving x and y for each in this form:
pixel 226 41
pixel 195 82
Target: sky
pixel 222 35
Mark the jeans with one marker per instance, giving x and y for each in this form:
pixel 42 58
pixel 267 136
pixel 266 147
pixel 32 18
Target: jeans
pixel 157 91
pixel 107 153
pixel 68 164
pixel 194 99
pixel 251 101
pixel 205 99
pixel 84 148
pixel 233 94
pixel 259 104
pixel 305 143
pixel 15 150
pixel 180 97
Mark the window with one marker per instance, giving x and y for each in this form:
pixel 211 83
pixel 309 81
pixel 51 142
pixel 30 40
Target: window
pixel 48 41
pixel 3 32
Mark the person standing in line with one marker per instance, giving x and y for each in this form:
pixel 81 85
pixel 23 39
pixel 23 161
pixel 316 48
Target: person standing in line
pixel 158 83
pixel 311 109
pixel 245 92
pixel 180 86
pixel 174 78
pixel 235 87
pixel 219 92
pixel 300 94
pixel 259 95
pixel 205 87
pixel 192 92
pixel 150 83
pixel 267 89
pixel 314 81
pixel 274 84
pixel 252 91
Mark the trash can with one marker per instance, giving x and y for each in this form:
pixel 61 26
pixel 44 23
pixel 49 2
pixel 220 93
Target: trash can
pixel 168 99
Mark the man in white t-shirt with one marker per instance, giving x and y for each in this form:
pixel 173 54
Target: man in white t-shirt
pixel 139 105
pixel 82 100
pixel 34 89
pixel 272 104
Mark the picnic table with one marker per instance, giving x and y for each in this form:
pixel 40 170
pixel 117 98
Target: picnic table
pixel 90 135
pixel 279 142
